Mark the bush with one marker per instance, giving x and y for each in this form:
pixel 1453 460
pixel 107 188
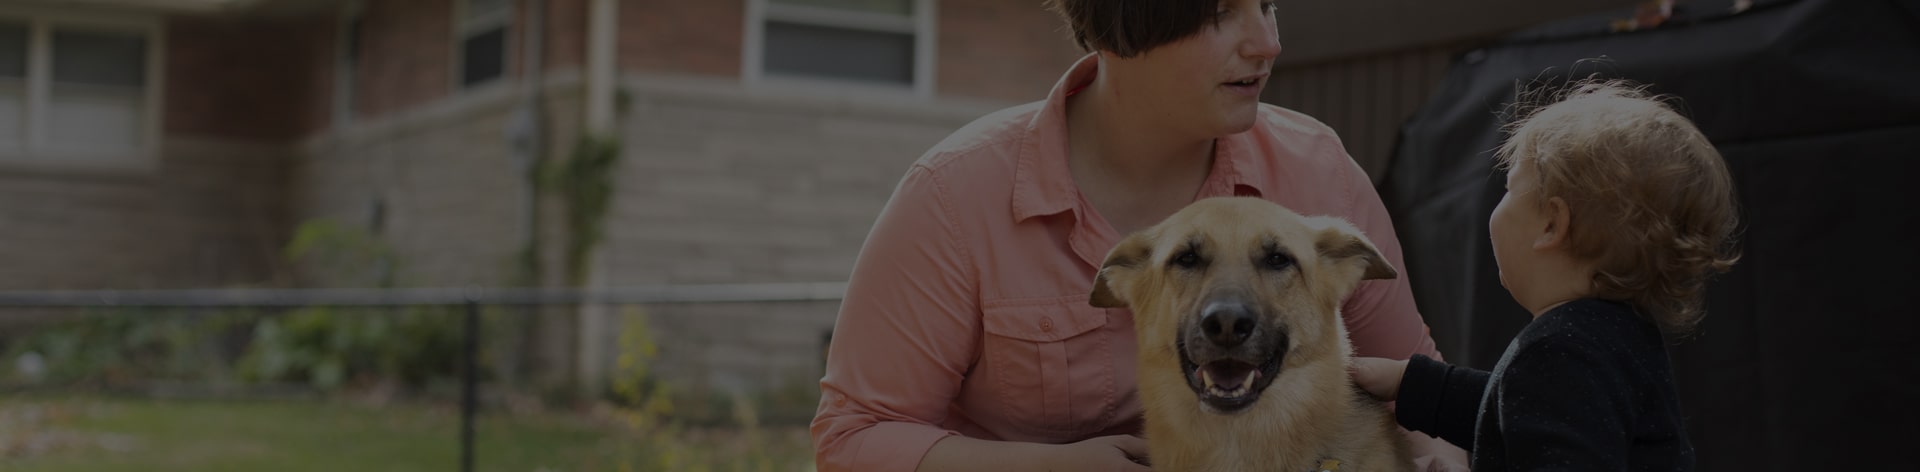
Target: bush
pixel 328 347
pixel 127 347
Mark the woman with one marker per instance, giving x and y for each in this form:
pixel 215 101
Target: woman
pixel 966 342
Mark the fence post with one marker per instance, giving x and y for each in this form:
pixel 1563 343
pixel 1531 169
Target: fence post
pixel 469 380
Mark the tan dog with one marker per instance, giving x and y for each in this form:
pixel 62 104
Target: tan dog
pixel 1243 353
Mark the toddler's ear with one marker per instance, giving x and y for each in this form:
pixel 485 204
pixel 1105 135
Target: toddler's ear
pixel 1559 219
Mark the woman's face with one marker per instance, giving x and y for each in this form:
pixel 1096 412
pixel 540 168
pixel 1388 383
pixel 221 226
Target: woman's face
pixel 1208 83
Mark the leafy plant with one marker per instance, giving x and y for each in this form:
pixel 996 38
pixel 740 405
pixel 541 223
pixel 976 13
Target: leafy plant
pixel 341 255
pixel 127 347
pixel 329 347
pixel 584 182
pixel 671 434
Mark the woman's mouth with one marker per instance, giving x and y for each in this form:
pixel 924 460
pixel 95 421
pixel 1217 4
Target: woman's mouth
pixel 1249 86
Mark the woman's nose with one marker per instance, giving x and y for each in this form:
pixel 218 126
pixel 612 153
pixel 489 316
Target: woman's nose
pixel 1262 40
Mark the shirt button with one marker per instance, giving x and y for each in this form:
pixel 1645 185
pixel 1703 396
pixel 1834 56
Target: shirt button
pixel 1046 324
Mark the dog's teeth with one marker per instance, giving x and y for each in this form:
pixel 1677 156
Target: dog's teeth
pixel 1206 380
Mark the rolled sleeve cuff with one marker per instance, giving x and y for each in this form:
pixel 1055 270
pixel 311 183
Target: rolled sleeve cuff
pixel 895 446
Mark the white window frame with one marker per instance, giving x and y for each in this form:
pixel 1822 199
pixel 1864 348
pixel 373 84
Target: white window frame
pixel 464 28
pixel 41 22
pixel 921 25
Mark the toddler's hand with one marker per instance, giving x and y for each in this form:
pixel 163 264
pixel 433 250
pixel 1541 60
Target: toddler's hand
pixel 1379 377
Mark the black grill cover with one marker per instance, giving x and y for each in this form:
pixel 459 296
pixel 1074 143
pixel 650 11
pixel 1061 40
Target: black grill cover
pixel 1805 359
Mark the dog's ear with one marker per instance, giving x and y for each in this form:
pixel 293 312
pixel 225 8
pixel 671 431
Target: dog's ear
pixel 1118 270
pixel 1339 243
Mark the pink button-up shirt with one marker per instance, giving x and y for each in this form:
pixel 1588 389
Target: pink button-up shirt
pixel 967 310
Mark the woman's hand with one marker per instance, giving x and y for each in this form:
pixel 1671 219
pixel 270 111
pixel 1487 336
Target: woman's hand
pixel 1379 377
pixel 1119 452
pixel 1105 453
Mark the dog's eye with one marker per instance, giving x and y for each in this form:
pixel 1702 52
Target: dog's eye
pixel 1187 259
pixel 1277 261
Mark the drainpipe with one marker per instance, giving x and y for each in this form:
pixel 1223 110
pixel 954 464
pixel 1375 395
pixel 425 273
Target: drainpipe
pixel 602 34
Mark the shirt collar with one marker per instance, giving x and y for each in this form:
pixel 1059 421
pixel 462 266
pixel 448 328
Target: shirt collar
pixel 1044 186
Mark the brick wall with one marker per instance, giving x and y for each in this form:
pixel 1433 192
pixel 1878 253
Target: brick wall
pixel 1007 50
pixel 566 34
pixel 246 79
pixel 681 37
pixel 408 48
pixel 999 50
pixel 407 55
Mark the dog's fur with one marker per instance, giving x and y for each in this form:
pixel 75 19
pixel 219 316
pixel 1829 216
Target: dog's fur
pixel 1287 275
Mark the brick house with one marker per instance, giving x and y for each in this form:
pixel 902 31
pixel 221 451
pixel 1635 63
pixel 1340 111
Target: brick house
pixel 177 143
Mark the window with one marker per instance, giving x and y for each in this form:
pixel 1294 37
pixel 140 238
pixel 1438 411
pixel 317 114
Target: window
pixel 887 43
pixel 77 90
pixel 482 51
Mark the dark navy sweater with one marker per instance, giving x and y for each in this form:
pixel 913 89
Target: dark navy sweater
pixel 1586 386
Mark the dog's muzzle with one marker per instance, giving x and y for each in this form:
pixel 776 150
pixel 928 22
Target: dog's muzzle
pixel 1229 356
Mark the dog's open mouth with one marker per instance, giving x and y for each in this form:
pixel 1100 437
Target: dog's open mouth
pixel 1230 380
pixel 1229 385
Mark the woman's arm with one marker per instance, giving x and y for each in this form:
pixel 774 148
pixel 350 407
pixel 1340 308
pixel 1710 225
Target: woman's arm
pixel 961 453
pixel 907 332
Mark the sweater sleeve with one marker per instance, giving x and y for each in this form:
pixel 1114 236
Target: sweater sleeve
pixel 1441 399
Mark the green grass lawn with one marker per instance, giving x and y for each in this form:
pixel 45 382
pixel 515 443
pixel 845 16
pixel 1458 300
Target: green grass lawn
pixel 100 434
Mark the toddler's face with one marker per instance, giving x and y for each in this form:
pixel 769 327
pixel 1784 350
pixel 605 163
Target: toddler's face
pixel 1518 221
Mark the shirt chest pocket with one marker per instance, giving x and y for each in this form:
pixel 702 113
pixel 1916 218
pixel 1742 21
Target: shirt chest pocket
pixel 1052 364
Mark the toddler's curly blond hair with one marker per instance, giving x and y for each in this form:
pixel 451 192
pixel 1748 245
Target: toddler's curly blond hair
pixel 1651 200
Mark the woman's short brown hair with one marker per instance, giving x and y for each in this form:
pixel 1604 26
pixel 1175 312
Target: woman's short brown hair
pixel 1651 201
pixel 1129 27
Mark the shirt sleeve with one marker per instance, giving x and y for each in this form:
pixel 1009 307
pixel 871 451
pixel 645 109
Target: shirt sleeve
pixel 1441 399
pixel 1563 407
pixel 906 333
pixel 1380 315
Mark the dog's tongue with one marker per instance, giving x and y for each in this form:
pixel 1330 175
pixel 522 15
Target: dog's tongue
pixel 1228 375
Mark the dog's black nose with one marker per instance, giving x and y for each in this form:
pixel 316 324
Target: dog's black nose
pixel 1227 324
